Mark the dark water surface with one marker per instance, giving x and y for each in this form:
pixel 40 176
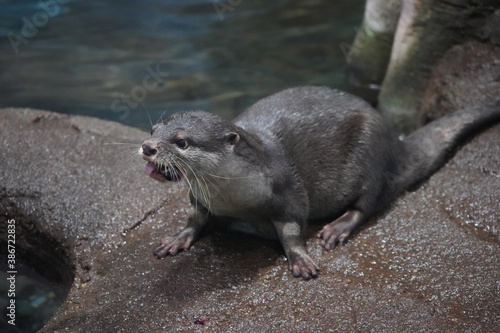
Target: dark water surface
pixel 122 59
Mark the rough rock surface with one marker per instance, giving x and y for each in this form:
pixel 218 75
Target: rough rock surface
pixel 430 263
pixel 468 75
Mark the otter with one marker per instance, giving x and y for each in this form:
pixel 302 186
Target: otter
pixel 302 154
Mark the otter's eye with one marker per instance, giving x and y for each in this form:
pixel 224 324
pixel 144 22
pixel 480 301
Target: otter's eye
pixel 181 143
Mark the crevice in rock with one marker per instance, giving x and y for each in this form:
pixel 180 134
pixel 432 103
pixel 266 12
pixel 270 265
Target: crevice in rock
pixel 147 214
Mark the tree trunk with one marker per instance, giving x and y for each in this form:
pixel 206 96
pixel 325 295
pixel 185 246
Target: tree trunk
pixel 426 30
pixel 369 55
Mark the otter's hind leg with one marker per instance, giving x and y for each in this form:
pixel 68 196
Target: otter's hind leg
pixel 339 230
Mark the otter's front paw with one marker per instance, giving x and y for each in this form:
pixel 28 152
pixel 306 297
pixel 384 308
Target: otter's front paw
pixel 171 245
pixel 303 266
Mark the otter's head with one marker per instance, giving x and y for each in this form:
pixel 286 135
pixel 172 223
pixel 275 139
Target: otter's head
pixel 188 144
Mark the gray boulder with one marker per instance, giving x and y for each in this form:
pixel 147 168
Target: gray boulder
pixel 430 263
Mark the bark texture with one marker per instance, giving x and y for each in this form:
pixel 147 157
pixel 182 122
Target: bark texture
pixel 432 40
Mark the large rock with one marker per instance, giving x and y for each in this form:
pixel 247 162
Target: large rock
pixel 466 76
pixel 431 263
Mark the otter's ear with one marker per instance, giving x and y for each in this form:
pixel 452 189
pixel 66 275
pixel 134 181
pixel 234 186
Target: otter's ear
pixel 232 138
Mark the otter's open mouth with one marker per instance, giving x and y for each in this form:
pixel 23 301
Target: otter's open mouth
pixel 163 173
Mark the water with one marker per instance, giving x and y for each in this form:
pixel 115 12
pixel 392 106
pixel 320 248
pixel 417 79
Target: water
pixel 36 300
pixel 122 60
pixel 36 284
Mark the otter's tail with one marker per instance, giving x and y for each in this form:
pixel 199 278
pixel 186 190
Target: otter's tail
pixel 427 148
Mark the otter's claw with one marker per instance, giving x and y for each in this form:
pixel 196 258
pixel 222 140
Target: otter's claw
pixel 304 267
pixel 338 231
pixel 333 235
pixel 172 245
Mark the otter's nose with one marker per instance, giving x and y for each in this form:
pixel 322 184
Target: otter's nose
pixel 148 150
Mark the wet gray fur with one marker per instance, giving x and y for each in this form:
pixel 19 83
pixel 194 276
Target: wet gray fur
pixel 307 153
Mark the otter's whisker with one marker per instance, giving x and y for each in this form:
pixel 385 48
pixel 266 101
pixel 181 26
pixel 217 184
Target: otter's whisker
pixel 131 144
pixel 147 111
pixel 175 164
pixel 227 178
pixel 164 111
pixel 201 188
pixel 216 187
pixel 130 152
pixel 207 190
pixel 132 167
pixel 125 157
pixel 131 147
